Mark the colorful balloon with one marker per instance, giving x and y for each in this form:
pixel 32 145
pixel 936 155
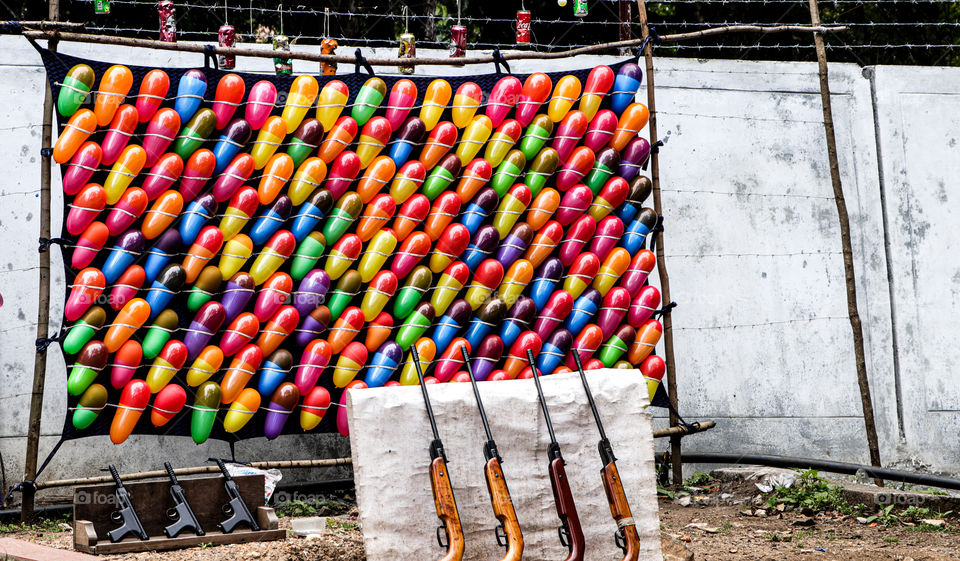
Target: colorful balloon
pixel 114 87
pixel 74 90
pixel 77 130
pixel 260 103
pixel 153 90
pixel 133 400
pixel 229 94
pixel 435 100
pixel 206 403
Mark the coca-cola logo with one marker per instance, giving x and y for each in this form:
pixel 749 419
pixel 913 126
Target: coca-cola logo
pixel 523 25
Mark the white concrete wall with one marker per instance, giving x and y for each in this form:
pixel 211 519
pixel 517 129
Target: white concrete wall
pixel 763 343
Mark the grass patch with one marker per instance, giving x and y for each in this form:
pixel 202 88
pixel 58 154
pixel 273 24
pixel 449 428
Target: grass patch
pixel 810 492
pixel 699 479
pixel 44 524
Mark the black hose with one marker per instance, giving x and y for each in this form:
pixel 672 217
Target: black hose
pixel 823 465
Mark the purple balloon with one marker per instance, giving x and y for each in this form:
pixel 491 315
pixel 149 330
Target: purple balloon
pixel 312 291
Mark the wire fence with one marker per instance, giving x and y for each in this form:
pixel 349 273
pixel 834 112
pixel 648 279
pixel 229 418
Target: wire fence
pixel 923 32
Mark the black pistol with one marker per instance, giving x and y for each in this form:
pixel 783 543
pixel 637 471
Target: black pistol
pixel 181 515
pixel 125 516
pixel 236 509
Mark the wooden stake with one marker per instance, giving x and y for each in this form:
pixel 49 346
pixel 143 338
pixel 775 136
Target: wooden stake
pixel 852 311
pixel 43 299
pixel 675 448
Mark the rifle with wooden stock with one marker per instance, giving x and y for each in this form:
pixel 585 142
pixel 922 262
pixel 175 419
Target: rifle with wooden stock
pixel 443 496
pixel 626 536
pixel 571 534
pixel 508 531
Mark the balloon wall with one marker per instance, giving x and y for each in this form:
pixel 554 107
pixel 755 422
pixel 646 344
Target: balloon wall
pixel 241 249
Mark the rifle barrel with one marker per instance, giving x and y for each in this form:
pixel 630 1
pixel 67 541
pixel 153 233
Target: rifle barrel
pixel 586 387
pixel 543 401
pixel 423 386
pixel 476 393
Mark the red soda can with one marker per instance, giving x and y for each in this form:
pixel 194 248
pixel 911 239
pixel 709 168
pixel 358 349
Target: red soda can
pixel 168 21
pixel 523 26
pixel 228 38
pixel 458 41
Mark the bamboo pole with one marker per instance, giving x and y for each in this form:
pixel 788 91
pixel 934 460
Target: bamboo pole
pixel 681 430
pixel 661 261
pixel 44 24
pixel 43 299
pixel 851 282
pixel 286 464
pixel 344 59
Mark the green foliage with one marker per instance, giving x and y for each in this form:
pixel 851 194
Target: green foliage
pixel 812 492
pixel 43 524
pixel 699 479
pixel 296 508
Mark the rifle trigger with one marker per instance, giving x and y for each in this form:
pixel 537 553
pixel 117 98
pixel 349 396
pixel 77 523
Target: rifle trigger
pixel 116 516
pixel 565 537
pixel 173 514
pixel 620 540
pixel 442 533
pixel 227 510
pixel 501 536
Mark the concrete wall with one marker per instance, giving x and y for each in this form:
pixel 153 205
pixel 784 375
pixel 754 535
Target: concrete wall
pixel 753 249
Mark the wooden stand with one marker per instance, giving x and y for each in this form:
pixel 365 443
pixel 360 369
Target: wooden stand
pixel 93 504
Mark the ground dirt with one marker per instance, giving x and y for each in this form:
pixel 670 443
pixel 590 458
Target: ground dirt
pixel 718 524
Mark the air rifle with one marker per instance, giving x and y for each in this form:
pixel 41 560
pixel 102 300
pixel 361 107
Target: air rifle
pixel 626 536
pixel 181 515
pixel 125 516
pixel 236 509
pixel 571 535
pixel 508 531
pixel 443 496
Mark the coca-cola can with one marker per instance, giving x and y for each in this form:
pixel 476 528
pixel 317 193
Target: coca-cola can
pixel 168 21
pixel 228 38
pixel 408 49
pixel 458 41
pixel 523 26
pixel 328 47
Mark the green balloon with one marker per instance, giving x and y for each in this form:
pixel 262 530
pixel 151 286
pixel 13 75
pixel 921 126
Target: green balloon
pixel 612 350
pixel 368 100
pixel 418 283
pixel 206 404
pixel 195 133
pixel 75 88
pixel 307 254
pixel 347 288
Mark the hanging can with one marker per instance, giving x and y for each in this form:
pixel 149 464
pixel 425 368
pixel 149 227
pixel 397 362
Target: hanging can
pixel 168 21
pixel 458 41
pixel 101 6
pixel 227 38
pixel 408 49
pixel 580 8
pixel 328 47
pixel 281 45
pixel 523 27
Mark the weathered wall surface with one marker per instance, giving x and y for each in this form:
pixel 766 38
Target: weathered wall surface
pixel 753 250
